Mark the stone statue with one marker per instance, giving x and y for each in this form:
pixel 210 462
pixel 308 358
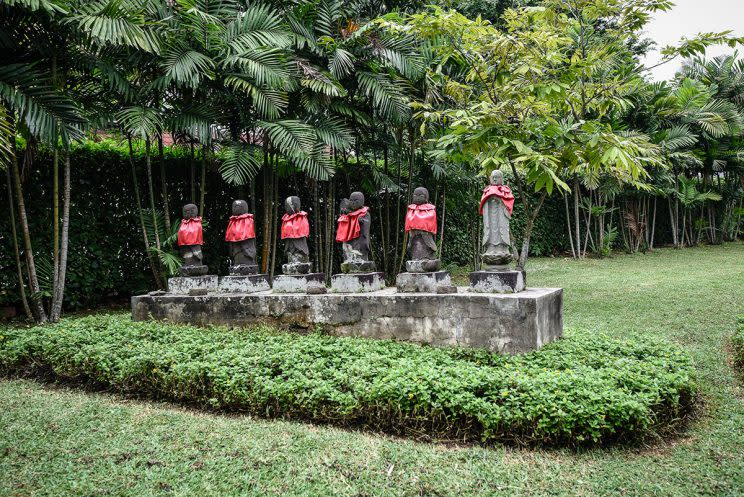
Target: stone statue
pixel 421 226
pixel 295 231
pixel 496 207
pixel 353 232
pixel 241 237
pixel 190 242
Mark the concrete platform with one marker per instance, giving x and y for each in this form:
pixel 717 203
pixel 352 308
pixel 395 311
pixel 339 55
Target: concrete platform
pixel 505 323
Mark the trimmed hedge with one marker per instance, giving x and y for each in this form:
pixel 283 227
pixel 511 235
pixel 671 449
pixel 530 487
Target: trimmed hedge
pixel 738 343
pixel 585 388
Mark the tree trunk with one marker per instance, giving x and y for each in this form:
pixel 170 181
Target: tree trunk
pixel 151 191
pixel 55 216
pixel 164 186
pixel 528 233
pixel 203 182
pixel 138 201
pixel 577 218
pixel 14 234
pixel 192 167
pixel 274 218
pixel 653 225
pixel 568 225
pixel 59 289
pixel 37 307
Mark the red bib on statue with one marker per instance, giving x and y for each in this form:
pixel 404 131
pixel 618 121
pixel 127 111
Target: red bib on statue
pixel 421 217
pixel 240 228
pixel 190 232
pixel 348 225
pixel 501 191
pixel 295 225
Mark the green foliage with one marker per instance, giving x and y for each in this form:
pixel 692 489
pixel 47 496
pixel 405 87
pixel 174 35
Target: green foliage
pixel 586 388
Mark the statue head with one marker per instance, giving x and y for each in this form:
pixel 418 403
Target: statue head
pixel 420 195
pixel 239 207
pixel 497 177
pixel 190 210
pixel 356 201
pixel 292 205
pixel 344 208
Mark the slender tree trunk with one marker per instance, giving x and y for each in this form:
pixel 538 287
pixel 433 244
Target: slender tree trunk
pixel 14 234
pixel 192 167
pixel 203 182
pixel 588 225
pixel 577 218
pixel 568 225
pixel 164 186
pixel 444 213
pixel 522 261
pixel 59 289
pixel 138 201
pixel 55 216
pixel 653 225
pixel 36 303
pixel 274 218
pixel 151 191
pixel 266 211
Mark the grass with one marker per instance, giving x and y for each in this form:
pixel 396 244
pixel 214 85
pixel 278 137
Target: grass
pixel 59 441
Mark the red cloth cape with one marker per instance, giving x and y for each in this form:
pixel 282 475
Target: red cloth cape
pixel 190 232
pixel 240 228
pixel 295 225
pixel 421 217
pixel 501 191
pixel 348 225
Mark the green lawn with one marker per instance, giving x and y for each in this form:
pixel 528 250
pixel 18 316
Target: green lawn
pixel 57 441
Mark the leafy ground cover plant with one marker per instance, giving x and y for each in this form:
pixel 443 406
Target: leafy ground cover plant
pixel 584 389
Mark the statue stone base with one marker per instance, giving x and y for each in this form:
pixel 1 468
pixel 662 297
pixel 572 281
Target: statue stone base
pixel 297 268
pixel 249 283
pixel 358 267
pixel 200 270
pixel 357 282
pixel 427 282
pixel 297 283
pixel 497 281
pixel 423 265
pixel 243 269
pixel 183 284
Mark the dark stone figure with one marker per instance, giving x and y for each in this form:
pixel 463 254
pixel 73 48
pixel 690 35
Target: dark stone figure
pixel 421 225
pixel 241 238
pixel 190 242
pixel 295 232
pixel 353 232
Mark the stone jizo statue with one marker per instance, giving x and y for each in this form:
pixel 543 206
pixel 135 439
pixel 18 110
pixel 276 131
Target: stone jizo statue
pixel 496 207
pixel 353 232
pixel 421 226
pixel 295 232
pixel 241 238
pixel 190 242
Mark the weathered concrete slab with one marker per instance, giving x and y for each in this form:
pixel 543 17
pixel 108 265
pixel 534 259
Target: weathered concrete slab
pixel 250 283
pixel 297 283
pixel 422 282
pixel 357 282
pixel 183 284
pixel 505 323
pixel 497 281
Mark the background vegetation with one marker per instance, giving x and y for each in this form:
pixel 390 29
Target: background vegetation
pixel 323 97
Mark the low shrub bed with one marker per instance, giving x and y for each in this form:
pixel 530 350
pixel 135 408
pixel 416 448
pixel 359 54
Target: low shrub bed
pixel 738 343
pixel 585 388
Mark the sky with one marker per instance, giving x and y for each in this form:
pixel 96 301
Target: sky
pixel 688 18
